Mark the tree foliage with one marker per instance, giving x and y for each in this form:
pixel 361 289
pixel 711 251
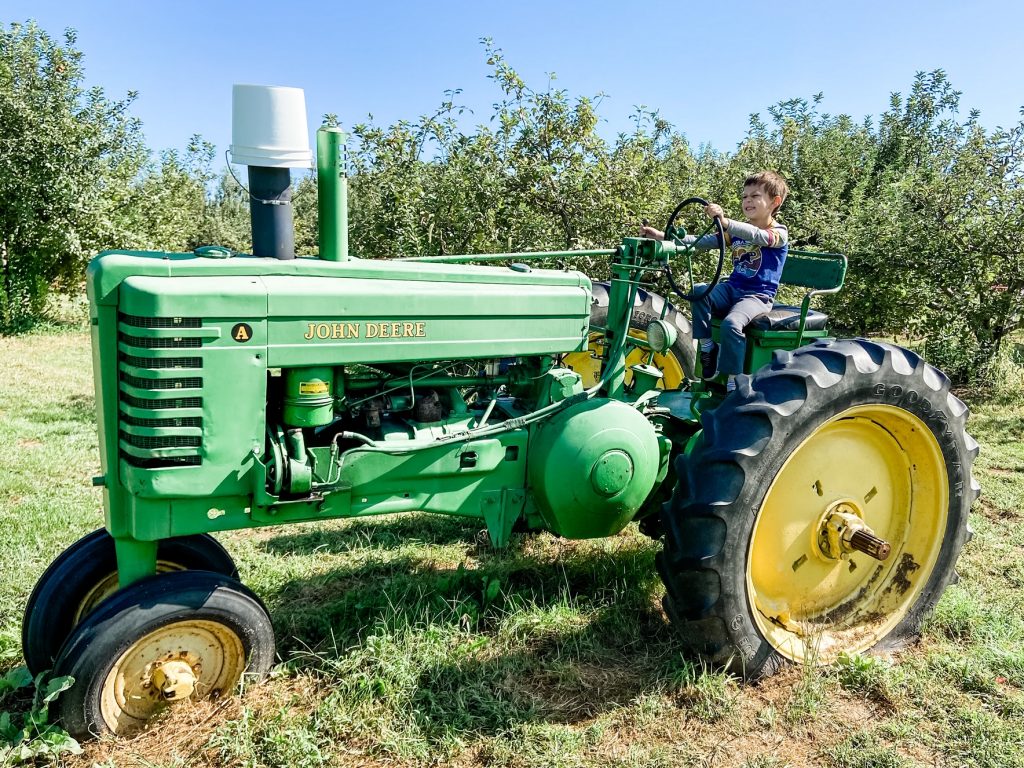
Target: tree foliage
pixel 927 204
pixel 67 160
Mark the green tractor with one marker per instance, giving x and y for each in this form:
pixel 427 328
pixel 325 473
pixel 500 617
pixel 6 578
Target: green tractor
pixel 818 508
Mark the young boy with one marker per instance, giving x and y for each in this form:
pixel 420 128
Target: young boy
pixel 759 251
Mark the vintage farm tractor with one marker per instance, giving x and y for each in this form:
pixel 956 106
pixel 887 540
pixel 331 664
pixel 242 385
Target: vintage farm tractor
pixel 818 508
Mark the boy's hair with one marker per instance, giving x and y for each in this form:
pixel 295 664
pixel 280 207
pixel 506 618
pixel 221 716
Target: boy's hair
pixel 773 184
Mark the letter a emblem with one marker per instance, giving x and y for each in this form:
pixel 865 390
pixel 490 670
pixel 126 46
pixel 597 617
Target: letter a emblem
pixel 241 333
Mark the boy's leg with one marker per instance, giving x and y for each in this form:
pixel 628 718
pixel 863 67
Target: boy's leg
pixel 734 343
pixel 715 304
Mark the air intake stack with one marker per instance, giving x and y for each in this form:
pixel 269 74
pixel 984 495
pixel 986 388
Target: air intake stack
pixel 269 136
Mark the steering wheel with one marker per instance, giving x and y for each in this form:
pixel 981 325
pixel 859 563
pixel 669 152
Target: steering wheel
pixel 670 232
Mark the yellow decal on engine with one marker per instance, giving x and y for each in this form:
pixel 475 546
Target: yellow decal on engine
pixel 313 388
pixel 384 330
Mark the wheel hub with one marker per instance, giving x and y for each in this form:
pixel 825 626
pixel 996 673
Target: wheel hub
pixel 175 680
pixel 842 531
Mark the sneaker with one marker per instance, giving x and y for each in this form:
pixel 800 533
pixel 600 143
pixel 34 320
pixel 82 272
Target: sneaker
pixel 709 363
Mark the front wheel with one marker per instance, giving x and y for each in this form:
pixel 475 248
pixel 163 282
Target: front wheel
pixel 85 574
pixel 824 511
pixel 167 638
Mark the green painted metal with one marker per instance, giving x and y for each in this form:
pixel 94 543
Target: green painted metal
pixel 332 193
pixel 110 269
pixel 309 397
pixel 135 559
pixel 591 467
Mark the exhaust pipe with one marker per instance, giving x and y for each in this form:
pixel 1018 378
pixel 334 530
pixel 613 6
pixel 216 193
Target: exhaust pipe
pixel 269 136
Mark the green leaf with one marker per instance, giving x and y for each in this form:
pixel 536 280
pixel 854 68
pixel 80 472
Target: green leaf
pixel 17 678
pixel 60 741
pixel 8 730
pixel 492 590
pixel 56 687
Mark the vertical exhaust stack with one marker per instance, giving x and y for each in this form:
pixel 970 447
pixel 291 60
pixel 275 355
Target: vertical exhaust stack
pixel 269 136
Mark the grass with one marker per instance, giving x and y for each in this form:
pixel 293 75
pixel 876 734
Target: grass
pixel 405 642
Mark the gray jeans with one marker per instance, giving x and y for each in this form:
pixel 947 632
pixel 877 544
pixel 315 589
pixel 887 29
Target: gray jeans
pixel 737 309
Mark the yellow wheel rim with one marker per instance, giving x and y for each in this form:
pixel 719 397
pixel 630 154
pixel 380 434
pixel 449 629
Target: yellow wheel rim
pixel 885 465
pixel 108 585
pixel 202 658
pixel 588 364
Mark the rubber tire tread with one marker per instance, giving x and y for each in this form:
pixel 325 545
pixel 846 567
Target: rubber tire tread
pixel 118 622
pixel 746 441
pixel 49 613
pixel 647 307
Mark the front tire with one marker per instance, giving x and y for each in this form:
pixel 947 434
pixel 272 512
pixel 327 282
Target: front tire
pixel 858 427
pixel 85 574
pixel 167 638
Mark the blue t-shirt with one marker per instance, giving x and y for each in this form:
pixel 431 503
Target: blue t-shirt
pixel 758 268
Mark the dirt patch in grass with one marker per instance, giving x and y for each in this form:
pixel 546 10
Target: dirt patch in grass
pixel 993 512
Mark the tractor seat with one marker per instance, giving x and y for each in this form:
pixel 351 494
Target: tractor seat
pixel 787 318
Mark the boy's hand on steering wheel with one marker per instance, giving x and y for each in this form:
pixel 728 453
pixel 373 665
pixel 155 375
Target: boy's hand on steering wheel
pixel 714 211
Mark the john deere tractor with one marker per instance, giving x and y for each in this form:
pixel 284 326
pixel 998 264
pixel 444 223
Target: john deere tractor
pixel 818 508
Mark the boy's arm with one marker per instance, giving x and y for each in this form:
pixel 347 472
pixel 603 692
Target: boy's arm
pixel 775 237
pixel 706 243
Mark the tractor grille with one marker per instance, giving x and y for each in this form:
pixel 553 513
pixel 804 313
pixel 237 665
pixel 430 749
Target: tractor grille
pixel 159 405
pixel 188 421
pixel 162 362
pixel 193 382
pixel 153 343
pixel 151 443
pixel 156 428
pixel 162 322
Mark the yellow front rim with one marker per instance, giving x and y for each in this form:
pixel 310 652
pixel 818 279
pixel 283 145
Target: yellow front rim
pixel 884 464
pixel 208 654
pixel 588 363
pixel 108 586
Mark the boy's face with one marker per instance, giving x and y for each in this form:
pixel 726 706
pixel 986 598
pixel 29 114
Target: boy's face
pixel 758 204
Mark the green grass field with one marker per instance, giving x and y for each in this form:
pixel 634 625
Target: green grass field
pixel 404 641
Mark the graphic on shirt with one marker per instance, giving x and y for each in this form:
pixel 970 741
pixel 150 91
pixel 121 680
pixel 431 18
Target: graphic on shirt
pixel 746 258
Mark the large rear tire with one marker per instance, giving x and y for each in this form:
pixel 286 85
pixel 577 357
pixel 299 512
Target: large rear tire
pixel 677 364
pixel 850 430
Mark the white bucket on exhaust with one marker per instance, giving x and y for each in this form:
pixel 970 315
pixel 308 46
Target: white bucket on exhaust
pixel 268 127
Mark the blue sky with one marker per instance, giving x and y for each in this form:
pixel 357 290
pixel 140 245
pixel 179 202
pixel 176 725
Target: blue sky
pixel 704 66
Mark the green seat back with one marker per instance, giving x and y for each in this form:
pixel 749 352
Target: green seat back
pixel 819 271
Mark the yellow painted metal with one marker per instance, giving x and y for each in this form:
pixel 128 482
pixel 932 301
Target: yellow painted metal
pixel 174 679
pixel 588 362
pixel 186 659
pixel 881 464
pixel 108 586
